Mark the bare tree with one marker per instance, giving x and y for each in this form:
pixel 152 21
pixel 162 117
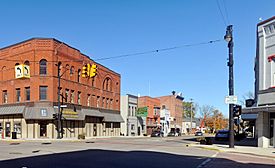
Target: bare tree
pixel 248 95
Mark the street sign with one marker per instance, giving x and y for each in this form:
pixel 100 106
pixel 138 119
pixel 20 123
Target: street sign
pixel 62 106
pixel 231 100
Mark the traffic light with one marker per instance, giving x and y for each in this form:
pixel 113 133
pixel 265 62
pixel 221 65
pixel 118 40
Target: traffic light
pixel 84 71
pixel 237 110
pixel 55 116
pixel 93 70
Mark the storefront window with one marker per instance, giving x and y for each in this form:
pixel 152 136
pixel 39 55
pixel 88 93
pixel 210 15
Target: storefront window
pixel 17 127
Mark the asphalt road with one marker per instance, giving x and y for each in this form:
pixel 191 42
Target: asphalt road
pixel 170 152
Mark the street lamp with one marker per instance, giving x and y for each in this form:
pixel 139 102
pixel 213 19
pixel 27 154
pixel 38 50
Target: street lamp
pixel 229 38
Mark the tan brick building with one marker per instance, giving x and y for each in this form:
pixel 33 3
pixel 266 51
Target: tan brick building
pixel 153 112
pixel 27 105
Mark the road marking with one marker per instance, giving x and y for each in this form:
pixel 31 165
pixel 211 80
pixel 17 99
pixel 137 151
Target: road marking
pixel 207 160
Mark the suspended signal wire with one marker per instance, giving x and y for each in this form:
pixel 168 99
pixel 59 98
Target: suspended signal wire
pixel 226 13
pixel 157 50
pixel 133 54
pixel 224 21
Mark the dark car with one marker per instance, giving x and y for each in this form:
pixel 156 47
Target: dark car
pixel 222 135
pixel 157 134
pixel 198 133
pixel 172 133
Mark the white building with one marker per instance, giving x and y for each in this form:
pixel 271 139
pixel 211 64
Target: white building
pixel 264 107
pixel 165 121
pixel 133 125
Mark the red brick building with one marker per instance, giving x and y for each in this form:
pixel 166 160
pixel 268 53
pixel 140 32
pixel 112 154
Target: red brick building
pixel 174 104
pixel 153 110
pixel 27 105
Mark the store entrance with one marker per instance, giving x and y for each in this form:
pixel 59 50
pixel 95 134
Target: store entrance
pixel 8 129
pixel 43 129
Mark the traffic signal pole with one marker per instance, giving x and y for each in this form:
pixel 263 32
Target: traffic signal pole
pixel 229 38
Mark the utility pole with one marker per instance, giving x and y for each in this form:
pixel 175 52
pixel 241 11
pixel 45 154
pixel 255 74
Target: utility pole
pixel 191 111
pixel 59 117
pixel 229 38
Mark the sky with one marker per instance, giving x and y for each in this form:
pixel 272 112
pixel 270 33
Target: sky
pixel 107 28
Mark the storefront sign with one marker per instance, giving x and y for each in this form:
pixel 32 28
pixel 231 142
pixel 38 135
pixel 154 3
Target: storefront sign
pixel 67 113
pixel 142 112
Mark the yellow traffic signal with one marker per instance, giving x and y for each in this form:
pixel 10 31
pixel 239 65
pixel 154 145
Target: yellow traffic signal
pixel 84 71
pixel 93 70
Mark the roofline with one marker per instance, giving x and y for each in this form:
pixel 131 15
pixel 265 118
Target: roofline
pixel 45 38
pixel 265 21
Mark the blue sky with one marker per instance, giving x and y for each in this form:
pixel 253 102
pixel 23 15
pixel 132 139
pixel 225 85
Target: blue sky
pixel 106 28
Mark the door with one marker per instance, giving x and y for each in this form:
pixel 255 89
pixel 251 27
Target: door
pixel 43 129
pixel 138 131
pixel 8 129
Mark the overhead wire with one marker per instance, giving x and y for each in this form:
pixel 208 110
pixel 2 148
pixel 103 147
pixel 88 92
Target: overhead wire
pixel 226 13
pixel 157 50
pixel 133 54
pixel 223 18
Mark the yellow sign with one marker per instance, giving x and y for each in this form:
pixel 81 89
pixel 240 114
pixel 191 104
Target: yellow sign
pixel 89 70
pixel 22 71
pixel 69 113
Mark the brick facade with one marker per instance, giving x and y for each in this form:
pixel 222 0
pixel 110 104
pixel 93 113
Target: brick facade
pixel 101 93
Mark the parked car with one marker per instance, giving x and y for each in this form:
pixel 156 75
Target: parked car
pixel 157 134
pixel 172 133
pixel 222 135
pixel 198 133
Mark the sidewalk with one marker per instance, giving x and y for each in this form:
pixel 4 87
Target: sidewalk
pixel 255 151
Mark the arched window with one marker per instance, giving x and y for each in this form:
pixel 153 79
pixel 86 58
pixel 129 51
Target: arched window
pixel 67 71
pixel 78 75
pixel 16 64
pixel 27 62
pixel 72 70
pixel 43 67
pixel 107 84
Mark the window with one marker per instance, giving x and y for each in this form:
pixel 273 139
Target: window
pixel 132 127
pixel 107 102
pixel 97 101
pixel 18 95
pixel 88 99
pixel 107 84
pixel 43 92
pixel 27 62
pixel 72 96
pixel 103 101
pixel 72 70
pixel 17 127
pixel 129 110
pixel 66 95
pixel 78 75
pixel 43 67
pixel 111 103
pixel 5 96
pixel 78 97
pixel 27 93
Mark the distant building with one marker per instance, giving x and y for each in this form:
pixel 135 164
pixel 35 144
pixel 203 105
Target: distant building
pixel 151 107
pixel 165 121
pixel 262 113
pixel 186 125
pixel 134 124
pixel 174 104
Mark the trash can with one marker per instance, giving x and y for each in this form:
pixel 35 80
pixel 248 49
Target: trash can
pixel 13 135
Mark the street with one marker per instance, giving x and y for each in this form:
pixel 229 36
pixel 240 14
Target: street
pixel 120 152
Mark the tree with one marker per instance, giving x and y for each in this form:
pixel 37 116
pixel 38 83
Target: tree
pixel 187 109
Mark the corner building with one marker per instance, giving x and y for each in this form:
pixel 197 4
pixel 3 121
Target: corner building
pixel 90 106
